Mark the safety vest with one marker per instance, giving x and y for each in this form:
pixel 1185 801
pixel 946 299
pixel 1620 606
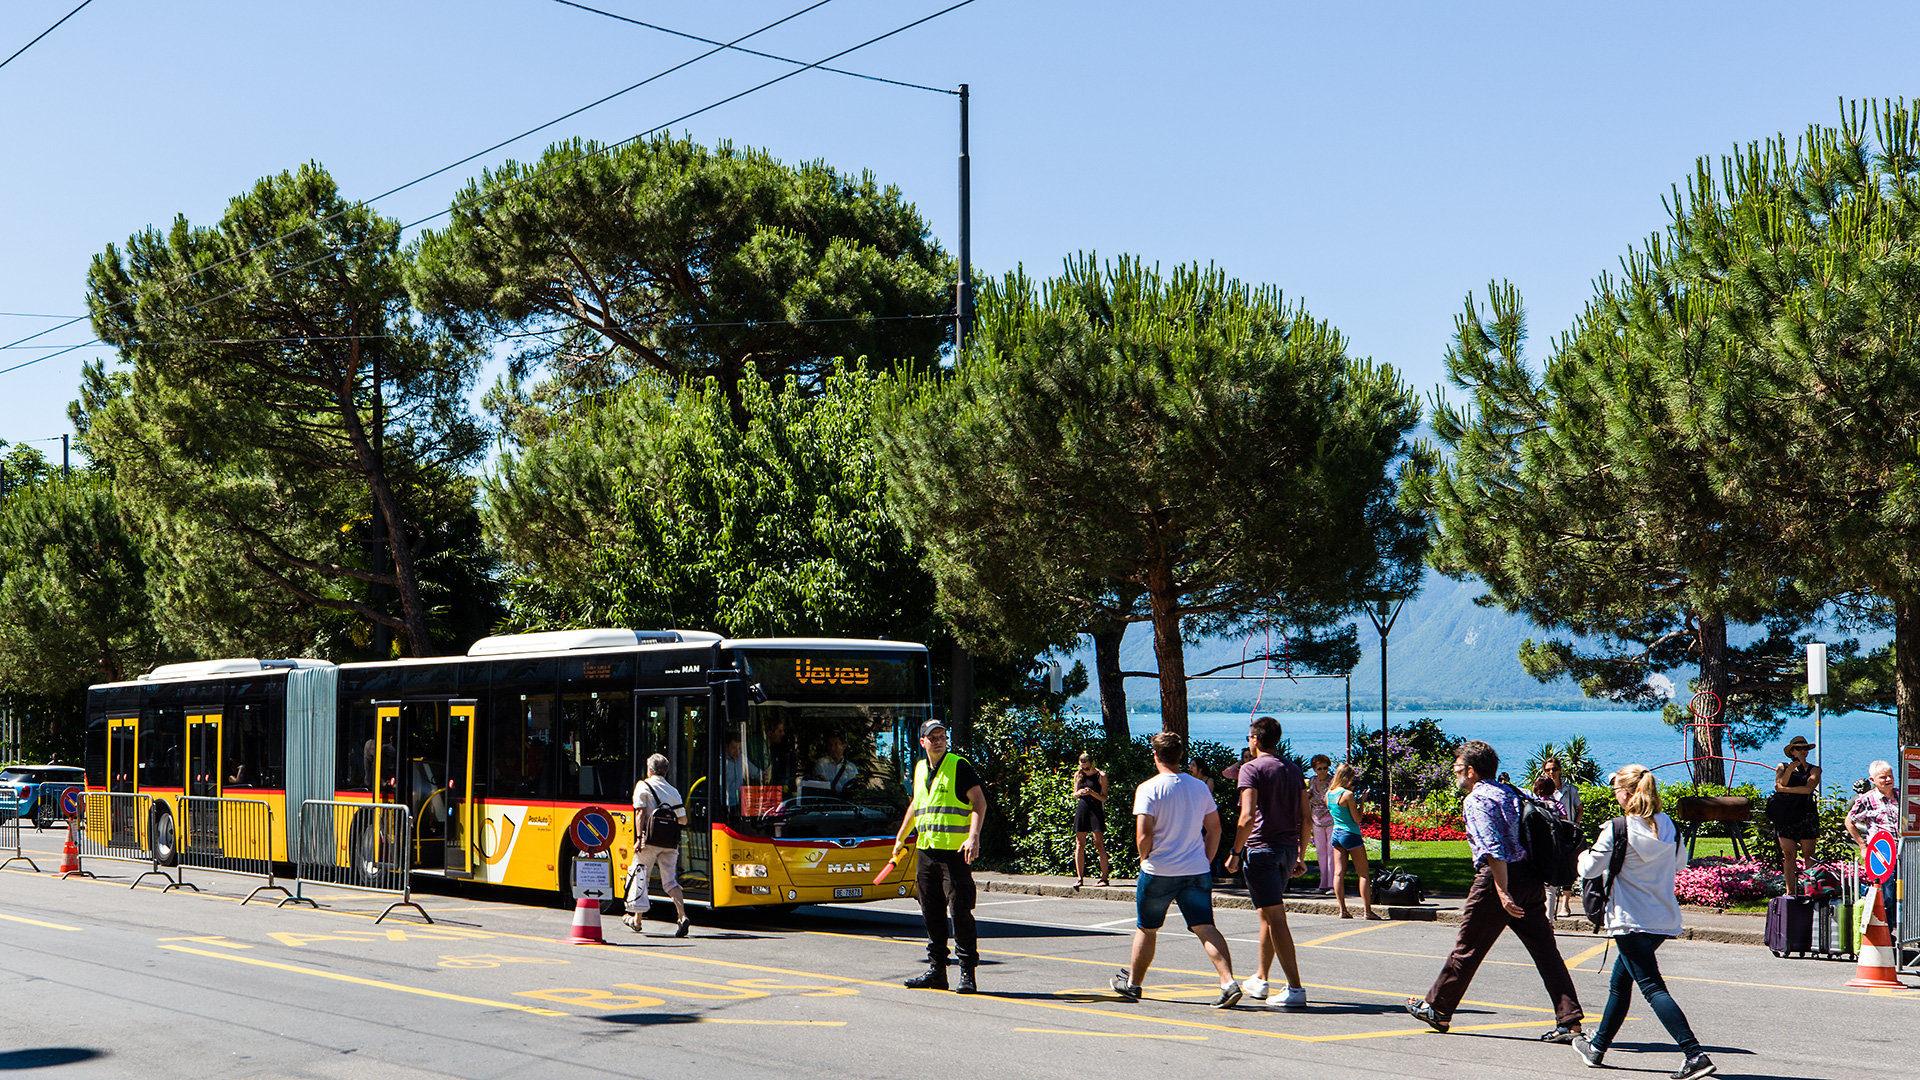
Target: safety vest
pixel 941 811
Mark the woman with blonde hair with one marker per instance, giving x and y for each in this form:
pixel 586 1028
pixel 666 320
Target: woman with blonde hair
pixel 1347 843
pixel 1642 913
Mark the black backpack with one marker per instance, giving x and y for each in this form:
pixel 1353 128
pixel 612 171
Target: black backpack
pixel 663 825
pixel 1597 892
pixel 1553 842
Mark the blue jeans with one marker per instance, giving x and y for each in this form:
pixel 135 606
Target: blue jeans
pixel 1152 893
pixel 1635 962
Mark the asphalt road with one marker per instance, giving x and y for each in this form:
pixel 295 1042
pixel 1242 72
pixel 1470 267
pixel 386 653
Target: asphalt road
pixel 106 980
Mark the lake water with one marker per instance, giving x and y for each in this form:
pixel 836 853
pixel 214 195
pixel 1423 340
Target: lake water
pixel 1849 742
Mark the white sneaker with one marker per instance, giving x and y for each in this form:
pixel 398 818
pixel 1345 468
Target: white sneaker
pixel 1254 988
pixel 1294 998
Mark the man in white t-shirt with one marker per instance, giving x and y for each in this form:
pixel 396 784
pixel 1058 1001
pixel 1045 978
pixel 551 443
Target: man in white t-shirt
pixel 1177 828
pixel 648 795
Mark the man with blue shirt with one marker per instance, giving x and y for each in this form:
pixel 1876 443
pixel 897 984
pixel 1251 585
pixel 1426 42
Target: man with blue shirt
pixel 1506 893
pixel 1177 828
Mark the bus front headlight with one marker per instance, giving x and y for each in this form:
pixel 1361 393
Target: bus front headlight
pixel 743 869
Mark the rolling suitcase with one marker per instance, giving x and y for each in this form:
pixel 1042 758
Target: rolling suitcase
pixel 1790 925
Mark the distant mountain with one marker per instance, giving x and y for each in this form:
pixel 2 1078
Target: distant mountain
pixel 1445 652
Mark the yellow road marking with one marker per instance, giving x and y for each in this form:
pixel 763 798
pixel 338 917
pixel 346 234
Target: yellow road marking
pixel 1574 962
pixel 212 939
pixel 773 1023
pixel 376 983
pixel 1111 1034
pixel 1369 928
pixel 37 922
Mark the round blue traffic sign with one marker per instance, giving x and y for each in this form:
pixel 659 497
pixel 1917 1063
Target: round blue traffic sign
pixel 1879 856
pixel 592 830
pixel 70 802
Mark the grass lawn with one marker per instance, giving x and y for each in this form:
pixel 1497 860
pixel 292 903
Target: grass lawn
pixel 1443 865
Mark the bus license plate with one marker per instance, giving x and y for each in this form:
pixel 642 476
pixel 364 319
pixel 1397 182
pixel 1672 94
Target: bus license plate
pixel 847 894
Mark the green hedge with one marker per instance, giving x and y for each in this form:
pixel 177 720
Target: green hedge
pixel 1027 757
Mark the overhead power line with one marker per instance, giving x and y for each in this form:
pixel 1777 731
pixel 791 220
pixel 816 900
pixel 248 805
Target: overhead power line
pixel 44 33
pixel 610 148
pixel 304 226
pixel 307 339
pixel 756 52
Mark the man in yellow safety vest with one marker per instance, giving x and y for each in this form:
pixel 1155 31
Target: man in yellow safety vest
pixel 947 808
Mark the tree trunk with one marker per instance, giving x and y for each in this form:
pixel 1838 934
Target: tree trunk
pixel 369 455
pixel 1906 667
pixel 1107 634
pixel 1169 650
pixel 1708 768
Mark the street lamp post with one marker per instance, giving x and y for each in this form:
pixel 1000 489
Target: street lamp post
pixel 1384 612
pixel 1817 689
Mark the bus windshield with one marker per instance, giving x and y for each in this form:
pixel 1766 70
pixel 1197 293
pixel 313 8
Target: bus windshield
pixel 823 768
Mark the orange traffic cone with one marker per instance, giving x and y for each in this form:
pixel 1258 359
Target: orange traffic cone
pixel 1875 969
pixel 70 854
pixel 586 923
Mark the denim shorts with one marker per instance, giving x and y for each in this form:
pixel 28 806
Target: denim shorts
pixel 1267 874
pixel 1153 892
pixel 1346 841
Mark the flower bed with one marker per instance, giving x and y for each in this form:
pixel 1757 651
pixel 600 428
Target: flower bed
pixel 1723 883
pixel 1411 830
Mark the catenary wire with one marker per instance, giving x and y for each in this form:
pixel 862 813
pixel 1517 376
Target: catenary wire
pixel 422 179
pixel 529 177
pixel 756 52
pixel 44 33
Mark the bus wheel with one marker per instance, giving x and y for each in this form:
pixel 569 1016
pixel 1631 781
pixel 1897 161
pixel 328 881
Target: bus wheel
pixel 363 852
pixel 160 835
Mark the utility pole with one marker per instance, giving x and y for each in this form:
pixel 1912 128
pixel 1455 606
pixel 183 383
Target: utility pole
pixel 960 696
pixel 1384 613
pixel 64 470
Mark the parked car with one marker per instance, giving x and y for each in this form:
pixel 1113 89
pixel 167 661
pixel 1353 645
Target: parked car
pixel 36 789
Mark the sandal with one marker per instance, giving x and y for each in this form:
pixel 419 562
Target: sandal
pixel 1428 1015
pixel 1346 914
pixel 1102 883
pixel 1562 1035
pixel 1374 916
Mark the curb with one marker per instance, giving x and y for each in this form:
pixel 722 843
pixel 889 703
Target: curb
pixel 1314 905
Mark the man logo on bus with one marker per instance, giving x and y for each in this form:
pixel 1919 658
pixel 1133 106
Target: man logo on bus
pixel 849 868
pixel 812 674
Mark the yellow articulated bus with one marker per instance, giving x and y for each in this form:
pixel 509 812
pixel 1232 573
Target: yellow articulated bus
pixel 792 754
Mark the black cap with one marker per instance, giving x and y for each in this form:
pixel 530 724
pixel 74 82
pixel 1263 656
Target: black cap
pixel 930 727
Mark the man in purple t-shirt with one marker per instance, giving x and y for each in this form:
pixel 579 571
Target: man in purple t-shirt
pixel 1273 804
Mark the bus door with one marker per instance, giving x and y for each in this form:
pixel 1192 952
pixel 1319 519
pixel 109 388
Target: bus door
pixel 462 824
pixel 123 774
pixel 203 779
pixel 691 747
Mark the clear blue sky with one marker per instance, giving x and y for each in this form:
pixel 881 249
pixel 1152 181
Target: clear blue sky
pixel 1378 160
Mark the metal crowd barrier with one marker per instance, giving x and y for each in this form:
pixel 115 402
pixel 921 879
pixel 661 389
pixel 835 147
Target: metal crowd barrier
pixel 228 836
pixel 1902 904
pixel 130 827
pixel 10 835
pixel 356 845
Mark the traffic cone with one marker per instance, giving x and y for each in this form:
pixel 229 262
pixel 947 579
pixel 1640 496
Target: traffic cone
pixel 70 854
pixel 586 923
pixel 1875 970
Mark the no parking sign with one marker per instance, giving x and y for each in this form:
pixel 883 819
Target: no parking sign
pixel 1877 860
pixel 70 802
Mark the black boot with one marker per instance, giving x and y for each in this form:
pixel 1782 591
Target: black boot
pixel 934 978
pixel 966 981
